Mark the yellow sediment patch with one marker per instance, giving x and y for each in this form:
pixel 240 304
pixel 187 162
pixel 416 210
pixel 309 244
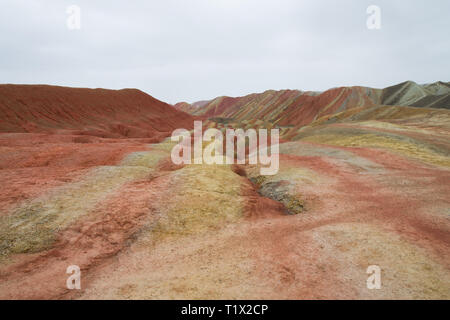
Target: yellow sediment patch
pixel 165 145
pixel 213 266
pixel 371 140
pixel 32 226
pixel 337 116
pixel 418 117
pixel 408 271
pixel 201 198
pixel 147 159
pixel 395 127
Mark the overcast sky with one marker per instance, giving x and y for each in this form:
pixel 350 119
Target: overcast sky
pixel 189 50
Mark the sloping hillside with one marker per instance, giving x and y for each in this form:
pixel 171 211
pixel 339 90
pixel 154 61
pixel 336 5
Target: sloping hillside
pixel 297 108
pixel 80 111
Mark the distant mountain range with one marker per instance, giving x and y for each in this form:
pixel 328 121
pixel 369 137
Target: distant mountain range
pixel 294 107
pixel 134 114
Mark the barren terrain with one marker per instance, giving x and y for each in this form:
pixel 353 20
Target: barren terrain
pixel 363 180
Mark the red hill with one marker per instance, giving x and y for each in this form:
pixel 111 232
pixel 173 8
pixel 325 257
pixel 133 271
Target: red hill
pixel 97 112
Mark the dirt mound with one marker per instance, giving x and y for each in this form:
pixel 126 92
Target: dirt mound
pixel 79 111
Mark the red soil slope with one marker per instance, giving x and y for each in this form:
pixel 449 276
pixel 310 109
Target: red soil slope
pixel 97 112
